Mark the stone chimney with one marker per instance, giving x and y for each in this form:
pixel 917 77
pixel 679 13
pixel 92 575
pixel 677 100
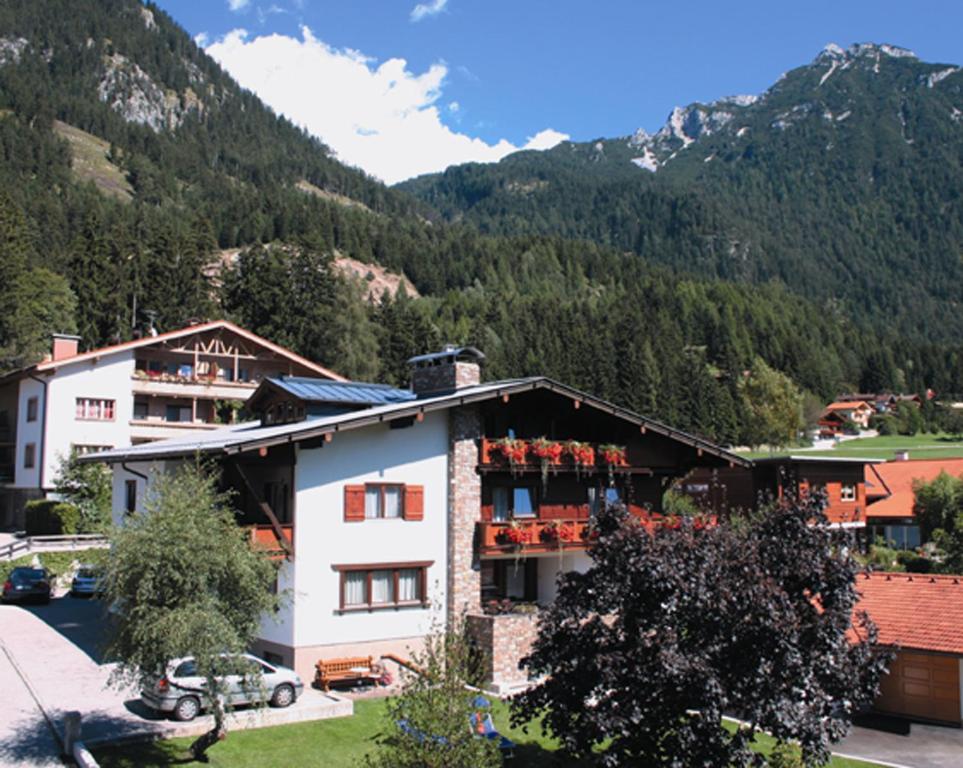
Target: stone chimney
pixel 64 345
pixel 445 371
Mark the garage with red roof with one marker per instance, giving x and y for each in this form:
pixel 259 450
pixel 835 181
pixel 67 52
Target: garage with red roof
pixel 921 617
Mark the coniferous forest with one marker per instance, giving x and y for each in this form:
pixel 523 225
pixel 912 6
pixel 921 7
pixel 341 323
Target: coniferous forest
pixel 138 181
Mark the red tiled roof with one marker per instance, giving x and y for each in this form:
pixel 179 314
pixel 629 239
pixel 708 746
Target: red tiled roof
pixel 914 610
pixel 848 405
pixel 897 479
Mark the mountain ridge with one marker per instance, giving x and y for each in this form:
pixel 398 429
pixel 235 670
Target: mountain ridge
pixel 848 166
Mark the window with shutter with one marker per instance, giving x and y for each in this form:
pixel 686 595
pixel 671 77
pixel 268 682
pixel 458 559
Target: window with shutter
pixel 353 503
pixel 414 508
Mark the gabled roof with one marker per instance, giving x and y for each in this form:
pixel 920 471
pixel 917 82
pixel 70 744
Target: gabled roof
pixel 319 391
pixel 914 610
pixel 848 405
pixel 213 325
pixel 894 483
pixel 252 436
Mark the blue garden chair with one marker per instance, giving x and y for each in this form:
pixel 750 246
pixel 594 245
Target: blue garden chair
pixel 483 728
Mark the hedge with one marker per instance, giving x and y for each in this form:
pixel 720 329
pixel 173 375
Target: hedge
pixel 49 517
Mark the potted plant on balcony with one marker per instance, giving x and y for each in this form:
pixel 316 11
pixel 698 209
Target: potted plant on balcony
pixel 583 455
pixel 516 534
pixel 514 450
pixel 557 531
pixel 614 456
pixel 549 453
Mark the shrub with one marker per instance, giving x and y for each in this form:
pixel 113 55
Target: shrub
pixel 49 517
pixel 914 563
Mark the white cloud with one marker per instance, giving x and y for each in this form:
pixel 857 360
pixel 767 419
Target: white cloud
pixel 201 38
pixel 237 6
pixel 430 8
pixel 454 106
pixel 545 139
pixel 380 117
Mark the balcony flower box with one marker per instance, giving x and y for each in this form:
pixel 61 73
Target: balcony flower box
pixel 556 532
pixel 517 535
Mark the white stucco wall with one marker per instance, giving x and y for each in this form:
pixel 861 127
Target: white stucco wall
pixel 120 478
pixel 550 566
pixel 417 455
pixel 28 432
pixel 110 379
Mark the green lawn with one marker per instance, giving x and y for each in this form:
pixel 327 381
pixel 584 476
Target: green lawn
pixel 924 446
pixel 335 743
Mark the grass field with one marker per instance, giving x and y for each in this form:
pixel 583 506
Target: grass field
pixel 924 446
pixel 337 743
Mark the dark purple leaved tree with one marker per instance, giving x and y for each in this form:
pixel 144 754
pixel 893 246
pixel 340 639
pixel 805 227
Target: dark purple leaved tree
pixel 645 652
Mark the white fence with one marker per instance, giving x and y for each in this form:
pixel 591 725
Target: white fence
pixel 29 544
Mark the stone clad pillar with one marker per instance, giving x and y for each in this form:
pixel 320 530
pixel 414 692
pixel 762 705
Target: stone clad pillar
pixel 464 511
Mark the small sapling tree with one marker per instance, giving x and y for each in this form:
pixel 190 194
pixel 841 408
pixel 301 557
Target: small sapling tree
pixel 184 581
pixel 427 725
pixel 669 630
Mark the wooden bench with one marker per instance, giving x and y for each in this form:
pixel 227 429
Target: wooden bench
pixel 344 670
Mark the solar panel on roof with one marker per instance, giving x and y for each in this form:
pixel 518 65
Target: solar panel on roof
pixel 357 392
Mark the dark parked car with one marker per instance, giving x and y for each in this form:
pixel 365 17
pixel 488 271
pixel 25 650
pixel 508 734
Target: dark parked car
pixel 25 583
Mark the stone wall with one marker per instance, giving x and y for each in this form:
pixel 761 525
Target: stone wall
pixel 504 640
pixel 464 512
pixel 444 377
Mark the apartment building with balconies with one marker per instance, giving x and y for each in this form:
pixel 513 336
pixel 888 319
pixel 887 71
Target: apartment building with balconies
pixel 161 386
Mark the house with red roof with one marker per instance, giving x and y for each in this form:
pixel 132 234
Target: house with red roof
pixel 890 497
pixel 857 411
pixel 919 617
pixel 159 386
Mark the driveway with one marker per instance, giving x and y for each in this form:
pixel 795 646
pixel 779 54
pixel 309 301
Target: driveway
pixel 925 746
pixel 56 649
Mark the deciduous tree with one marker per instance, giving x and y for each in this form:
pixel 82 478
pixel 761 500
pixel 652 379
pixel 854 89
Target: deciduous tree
pixel 641 656
pixel 185 581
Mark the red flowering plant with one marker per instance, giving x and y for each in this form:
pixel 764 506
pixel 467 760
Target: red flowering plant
pixel 583 455
pixel 549 454
pixel 614 456
pixel 557 531
pixel 516 534
pixel 514 450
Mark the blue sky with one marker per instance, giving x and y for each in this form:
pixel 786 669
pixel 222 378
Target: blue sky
pixel 495 73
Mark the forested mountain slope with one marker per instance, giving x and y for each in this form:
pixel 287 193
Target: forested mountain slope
pixel 129 162
pixel 844 181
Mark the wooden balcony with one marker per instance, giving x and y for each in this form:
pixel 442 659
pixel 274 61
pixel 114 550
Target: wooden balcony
pixel 594 458
pixel 535 536
pixel 191 386
pixel 263 537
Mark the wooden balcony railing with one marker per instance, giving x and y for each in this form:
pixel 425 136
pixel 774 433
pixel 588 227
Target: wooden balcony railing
pixel 559 455
pixel 533 536
pixel 264 537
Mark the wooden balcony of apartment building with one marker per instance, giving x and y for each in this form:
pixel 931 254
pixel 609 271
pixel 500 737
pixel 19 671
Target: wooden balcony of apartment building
pixel 263 536
pixel 211 387
pixel 533 536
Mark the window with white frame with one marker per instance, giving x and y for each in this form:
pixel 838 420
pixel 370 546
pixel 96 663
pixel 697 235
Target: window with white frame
pixel 32 408
pixel 95 409
pixel 383 501
pixel 29 456
pixel 847 493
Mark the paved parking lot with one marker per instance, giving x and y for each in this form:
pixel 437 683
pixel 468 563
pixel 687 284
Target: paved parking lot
pixel 56 648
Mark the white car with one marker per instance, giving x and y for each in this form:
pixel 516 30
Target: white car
pixel 87 581
pixel 182 693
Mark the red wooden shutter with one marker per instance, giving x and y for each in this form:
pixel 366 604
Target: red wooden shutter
pixel 353 503
pixel 414 502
